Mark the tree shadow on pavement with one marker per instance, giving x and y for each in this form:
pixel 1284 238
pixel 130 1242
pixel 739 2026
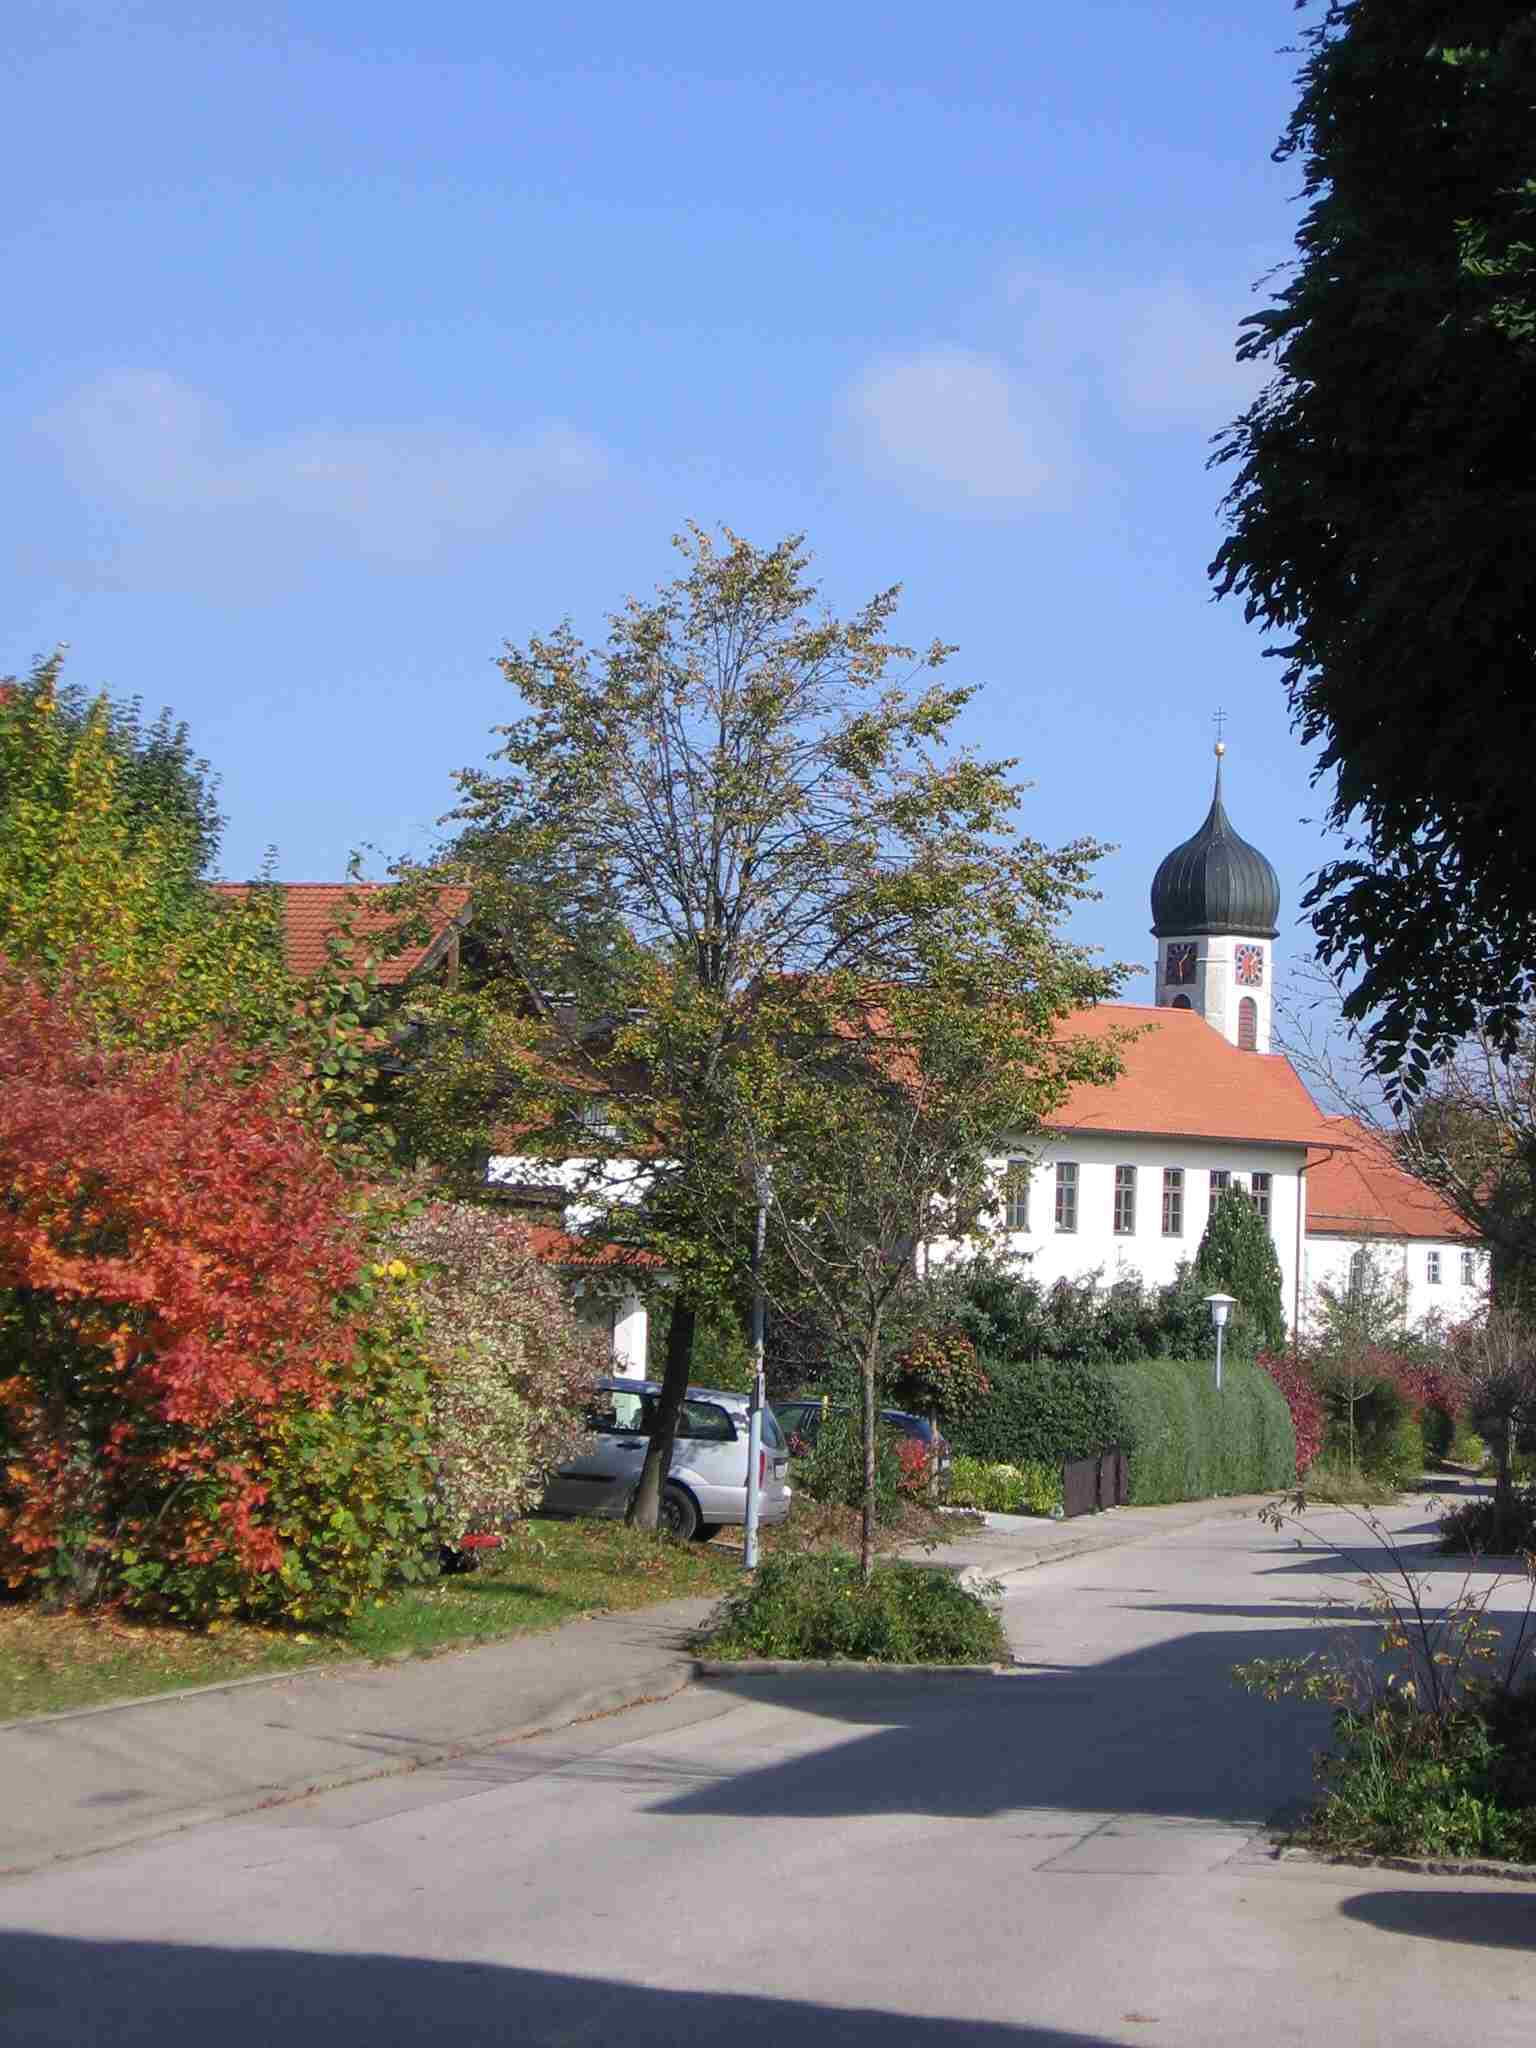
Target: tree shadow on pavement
pixel 1487 1919
pixel 57 1993
pixel 1163 1731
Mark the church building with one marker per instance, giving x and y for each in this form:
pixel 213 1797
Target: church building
pixel 1123 1181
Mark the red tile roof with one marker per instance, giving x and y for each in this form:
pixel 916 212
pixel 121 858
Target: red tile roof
pixel 1363 1192
pixel 312 911
pixel 1182 1079
pixel 559 1248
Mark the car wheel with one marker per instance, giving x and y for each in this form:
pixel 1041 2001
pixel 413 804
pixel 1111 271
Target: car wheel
pixel 704 1531
pixel 678 1514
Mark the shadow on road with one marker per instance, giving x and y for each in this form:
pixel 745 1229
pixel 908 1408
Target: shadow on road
pixel 86 1994
pixel 1163 1732
pixel 1486 1919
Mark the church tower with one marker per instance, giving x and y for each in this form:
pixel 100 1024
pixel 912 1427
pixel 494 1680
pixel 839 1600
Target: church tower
pixel 1215 905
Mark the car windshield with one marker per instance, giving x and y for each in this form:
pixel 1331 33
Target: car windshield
pixel 621 1413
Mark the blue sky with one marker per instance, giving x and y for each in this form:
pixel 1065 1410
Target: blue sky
pixel 349 341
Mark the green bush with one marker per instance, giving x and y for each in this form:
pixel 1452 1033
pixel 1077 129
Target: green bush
pixel 1187 1442
pixel 1028 1489
pixel 832 1471
pixel 1044 1413
pixel 813 1605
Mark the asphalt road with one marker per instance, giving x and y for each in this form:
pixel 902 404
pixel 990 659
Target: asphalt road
pixel 1071 1854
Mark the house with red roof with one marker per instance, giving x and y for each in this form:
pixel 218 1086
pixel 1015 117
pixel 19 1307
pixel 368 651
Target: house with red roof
pixel 1123 1180
pixel 1364 1211
pixel 314 913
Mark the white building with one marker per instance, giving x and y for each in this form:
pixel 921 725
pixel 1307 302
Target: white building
pixel 1363 1208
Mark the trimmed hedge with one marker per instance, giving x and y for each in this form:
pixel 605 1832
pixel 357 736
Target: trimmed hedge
pixel 1187 1442
pixel 1184 1441
pixel 1042 1413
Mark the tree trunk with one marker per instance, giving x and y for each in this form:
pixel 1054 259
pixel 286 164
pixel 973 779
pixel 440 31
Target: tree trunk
pixel 867 1405
pixel 643 1508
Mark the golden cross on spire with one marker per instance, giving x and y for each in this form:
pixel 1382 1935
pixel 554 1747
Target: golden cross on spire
pixel 1219 720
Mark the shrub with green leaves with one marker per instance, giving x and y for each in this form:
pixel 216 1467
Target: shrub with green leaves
pixel 1237 1257
pixel 832 1471
pixel 1028 1489
pixel 812 1605
pixel 939 1375
pixel 1189 1442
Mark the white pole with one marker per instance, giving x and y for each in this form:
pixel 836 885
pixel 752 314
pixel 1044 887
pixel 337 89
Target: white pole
pixel 1221 1331
pixel 759 1390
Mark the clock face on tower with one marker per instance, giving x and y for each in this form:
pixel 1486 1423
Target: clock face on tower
pixel 1179 968
pixel 1248 964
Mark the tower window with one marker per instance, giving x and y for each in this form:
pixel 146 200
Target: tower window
pixel 1173 1201
pixel 1016 1194
pixel 1125 1201
pixel 1066 1196
pixel 1181 1003
pixel 1248 1025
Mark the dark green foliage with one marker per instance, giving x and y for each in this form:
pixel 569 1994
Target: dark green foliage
pixel 1044 1412
pixel 1187 1442
pixel 1007 1315
pixel 833 1470
pixel 1381 513
pixel 1237 1256
pixel 812 1605
pixel 1405 1783
pixel 1491 1526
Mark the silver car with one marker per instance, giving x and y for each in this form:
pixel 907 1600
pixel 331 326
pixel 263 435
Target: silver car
pixel 707 1482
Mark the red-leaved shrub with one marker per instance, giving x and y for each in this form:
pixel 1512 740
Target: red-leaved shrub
pixel 183 1292
pixel 1308 1414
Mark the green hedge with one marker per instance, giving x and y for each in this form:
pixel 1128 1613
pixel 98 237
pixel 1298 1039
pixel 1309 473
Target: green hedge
pixel 1187 1442
pixel 1184 1441
pixel 1041 1413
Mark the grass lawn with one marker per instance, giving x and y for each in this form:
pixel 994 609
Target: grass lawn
pixel 546 1572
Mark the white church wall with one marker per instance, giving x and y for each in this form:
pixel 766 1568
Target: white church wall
pixel 1147 1249
pixel 1435 1279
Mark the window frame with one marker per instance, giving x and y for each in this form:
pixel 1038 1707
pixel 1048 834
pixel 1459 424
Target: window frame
pixel 1262 1198
pixel 1469 1269
pixel 1220 1182
pixel 1173 1201
pixel 1017 1175
pixel 1432 1274
pixel 1066 1197
pixel 1124 1214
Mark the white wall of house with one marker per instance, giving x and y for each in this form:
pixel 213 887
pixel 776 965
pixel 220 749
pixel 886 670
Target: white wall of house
pixel 1447 1278
pixel 1146 1249
pixel 591 1184
pixel 620 1314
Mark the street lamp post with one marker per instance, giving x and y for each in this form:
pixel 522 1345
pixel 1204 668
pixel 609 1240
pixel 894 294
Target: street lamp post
pixel 759 1383
pixel 1221 1306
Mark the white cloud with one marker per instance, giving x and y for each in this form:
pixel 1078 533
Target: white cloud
pixel 173 467
pixel 951 420
pixel 1163 354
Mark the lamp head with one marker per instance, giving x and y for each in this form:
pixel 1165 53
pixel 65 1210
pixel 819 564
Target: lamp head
pixel 1220 1306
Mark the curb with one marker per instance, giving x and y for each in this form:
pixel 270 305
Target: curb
pixel 1416 1866
pixel 751 1667
pixel 666 1682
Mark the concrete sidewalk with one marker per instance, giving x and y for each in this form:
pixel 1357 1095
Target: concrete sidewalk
pixel 73 1784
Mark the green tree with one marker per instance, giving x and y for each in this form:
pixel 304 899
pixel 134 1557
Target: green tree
pixel 1237 1257
pixel 1381 512
pixel 744 796
pixel 883 1125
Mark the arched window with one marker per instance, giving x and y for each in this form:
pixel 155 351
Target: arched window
pixel 1248 1024
pixel 1181 1003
